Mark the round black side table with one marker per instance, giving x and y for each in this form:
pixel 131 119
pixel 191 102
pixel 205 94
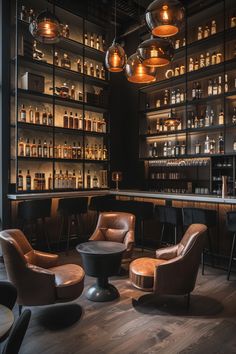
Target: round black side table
pixel 101 259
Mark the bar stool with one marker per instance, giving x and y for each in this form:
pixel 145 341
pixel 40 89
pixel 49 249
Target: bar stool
pixel 201 216
pixel 101 203
pixel 231 227
pixel 70 211
pixel 30 213
pixel 168 215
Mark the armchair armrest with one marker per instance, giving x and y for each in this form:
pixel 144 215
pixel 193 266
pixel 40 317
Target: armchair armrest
pixel 42 259
pixel 129 241
pixel 167 252
pixel 97 236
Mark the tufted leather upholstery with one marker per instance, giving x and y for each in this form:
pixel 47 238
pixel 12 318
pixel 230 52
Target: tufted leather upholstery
pixel 174 271
pixel 38 279
pixel 117 227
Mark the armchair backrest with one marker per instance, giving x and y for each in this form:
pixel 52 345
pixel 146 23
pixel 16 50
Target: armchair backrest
pixel 191 241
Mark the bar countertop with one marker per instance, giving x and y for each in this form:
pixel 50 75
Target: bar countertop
pixel 128 193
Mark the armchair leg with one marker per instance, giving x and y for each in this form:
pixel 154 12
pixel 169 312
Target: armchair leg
pixel 20 309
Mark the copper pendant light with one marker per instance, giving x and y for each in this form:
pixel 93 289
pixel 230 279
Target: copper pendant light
pixel 138 73
pixel 46 28
pixel 165 17
pixel 156 52
pixel 115 59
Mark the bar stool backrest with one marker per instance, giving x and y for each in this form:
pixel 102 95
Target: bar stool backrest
pixel 73 206
pixel 231 221
pixel 168 215
pixel 141 210
pixel 199 216
pixel 101 203
pixel 30 210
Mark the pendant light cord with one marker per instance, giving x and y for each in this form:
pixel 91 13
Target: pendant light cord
pixel 115 19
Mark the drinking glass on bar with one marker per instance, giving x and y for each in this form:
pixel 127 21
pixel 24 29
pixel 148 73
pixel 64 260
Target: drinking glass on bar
pixel 116 177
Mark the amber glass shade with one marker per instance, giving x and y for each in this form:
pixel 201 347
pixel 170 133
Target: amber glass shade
pixel 172 121
pixel 156 52
pixel 115 59
pixel 46 28
pixel 138 73
pixel 165 17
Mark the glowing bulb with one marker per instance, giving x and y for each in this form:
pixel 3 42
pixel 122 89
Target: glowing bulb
pixel 115 59
pixel 165 15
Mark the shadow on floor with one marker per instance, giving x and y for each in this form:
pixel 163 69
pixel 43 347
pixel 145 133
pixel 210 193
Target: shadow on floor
pixel 59 317
pixel 152 304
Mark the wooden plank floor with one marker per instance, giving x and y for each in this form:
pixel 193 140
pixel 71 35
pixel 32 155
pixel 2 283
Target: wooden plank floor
pixel 139 323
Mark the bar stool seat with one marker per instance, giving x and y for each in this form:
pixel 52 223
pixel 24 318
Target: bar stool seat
pixel 168 215
pixel 231 227
pixel 71 210
pixel 30 213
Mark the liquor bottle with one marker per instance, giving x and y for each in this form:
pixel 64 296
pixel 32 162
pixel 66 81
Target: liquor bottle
pixel 31 115
pixel 221 117
pixel 189 121
pixel 79 66
pixel 79 151
pixel 45 149
pixel 44 117
pixel 173 101
pixel 27 148
pixel 199 33
pixel 208 59
pixel 102 72
pixel 87 152
pixel 104 153
pixel 71 120
pixel 23 13
pixel 94 124
pixel 85 68
pixel 226 83
pixel 80 180
pixel 234 116
pixel 213 27
pixel 192 120
pixel 218 58
pixel 88 179
pixel 207 119
pixel 183 149
pixel 80 122
pixel 95 180
pixel 212 117
pixel 197 148
pixel 103 44
pixel 28 181
pixel 80 96
pixel 182 69
pixel 40 150
pixel 234 145
pixel 212 146
pixel 33 149
pixel 100 152
pixel 97 72
pixel 157 125
pixel 191 64
pixel 65 62
pixel 177 100
pixel 219 85
pixel 66 31
pixel 56 59
pixel 177 43
pixel 22 113
pixel 89 123
pixel 21 147
pixel 86 39
pixel 202 61
pixel 65 120
pixel 20 181
pixel 206 32
pixel 215 87
pixel 154 150
pixel 221 144
pixel 50 119
pixel 69 152
pixel 50 182
pixel 196 64
pixel 76 121
pixel 72 92
pixel 59 152
pixel 165 149
pixel 65 151
pixel 37 116
pixel 201 120
pixel 92 41
pixel 213 58
pixel 207 145
pixel 97 43
pixel 74 151
pixel 233 21
pixel 91 69
pixel 210 88
pixel 196 122
pixel 177 149
pixel 198 90
pixel 194 93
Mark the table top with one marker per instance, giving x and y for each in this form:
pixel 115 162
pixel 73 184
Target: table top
pixel 6 320
pixel 101 247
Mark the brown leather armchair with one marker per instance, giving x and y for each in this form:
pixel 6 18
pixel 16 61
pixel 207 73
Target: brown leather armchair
pixel 117 227
pixel 174 270
pixel 36 275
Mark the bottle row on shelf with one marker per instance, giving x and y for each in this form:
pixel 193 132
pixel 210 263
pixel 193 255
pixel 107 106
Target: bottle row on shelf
pixel 168 149
pixel 93 40
pixel 207 119
pixel 205 60
pixel 67 180
pixel 190 162
pixel 45 150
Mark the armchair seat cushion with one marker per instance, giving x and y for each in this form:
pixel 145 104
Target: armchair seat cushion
pixel 69 281
pixel 142 272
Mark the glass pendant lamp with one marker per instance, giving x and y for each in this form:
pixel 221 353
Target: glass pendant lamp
pixel 156 52
pixel 115 58
pixel 165 17
pixel 172 120
pixel 46 28
pixel 138 73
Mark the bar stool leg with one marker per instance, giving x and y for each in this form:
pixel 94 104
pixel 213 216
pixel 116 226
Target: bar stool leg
pixel 175 234
pixel 142 236
pixel 61 227
pixel 210 248
pixel 45 234
pixel 231 257
pixel 203 262
pixel 162 233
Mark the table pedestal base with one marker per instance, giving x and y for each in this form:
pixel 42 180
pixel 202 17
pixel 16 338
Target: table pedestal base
pixel 102 291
